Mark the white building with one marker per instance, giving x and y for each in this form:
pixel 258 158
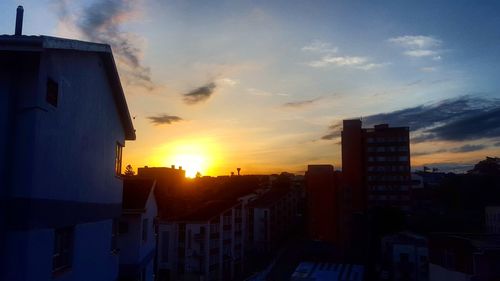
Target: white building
pixel 324 271
pixel 206 244
pixel 63 121
pixel 137 239
pixel 405 256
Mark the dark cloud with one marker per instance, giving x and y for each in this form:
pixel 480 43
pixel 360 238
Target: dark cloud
pixel 299 104
pixel 331 136
pixel 468 148
pixel 496 144
pixel 463 118
pixel 421 153
pixel 200 94
pixel 164 119
pixel 101 22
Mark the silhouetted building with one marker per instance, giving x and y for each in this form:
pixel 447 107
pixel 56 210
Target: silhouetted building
pixel 323 203
pixel 137 239
pixel 405 257
pixel 63 121
pixel 376 165
pixel 492 219
pixel 205 244
pixel 462 256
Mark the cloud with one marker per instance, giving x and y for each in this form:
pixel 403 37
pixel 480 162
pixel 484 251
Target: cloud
pixel 468 148
pixel 338 61
pixel 458 119
pixel 227 81
pixel 416 41
pixel 164 119
pixel 300 104
pixel 331 136
pixel 497 144
pixel 419 46
pixel 318 46
pixel 200 94
pixel 428 69
pixel 421 153
pixel 420 53
pixel 101 22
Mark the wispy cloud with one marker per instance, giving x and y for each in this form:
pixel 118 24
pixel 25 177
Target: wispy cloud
pixel 320 47
pixel 468 148
pixel 419 46
pixel 331 58
pixel 416 41
pixel 199 94
pixel 102 21
pixel 300 104
pixel 164 119
pixel 459 119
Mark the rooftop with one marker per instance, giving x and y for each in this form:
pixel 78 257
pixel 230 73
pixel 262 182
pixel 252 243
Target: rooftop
pixel 208 211
pixel 24 43
pixel 269 198
pixel 323 271
pixel 136 192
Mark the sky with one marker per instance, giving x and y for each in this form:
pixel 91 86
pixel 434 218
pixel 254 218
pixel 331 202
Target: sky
pixel 264 85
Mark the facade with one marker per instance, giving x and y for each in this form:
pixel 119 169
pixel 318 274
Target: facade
pixel 405 257
pixel 464 257
pixel 63 121
pixel 137 239
pixel 206 244
pixel 323 203
pixel 492 217
pixel 270 217
pixel 376 165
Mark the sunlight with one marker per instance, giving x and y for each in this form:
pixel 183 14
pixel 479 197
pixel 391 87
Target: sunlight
pixel 192 156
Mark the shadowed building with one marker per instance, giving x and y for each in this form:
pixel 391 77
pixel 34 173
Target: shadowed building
pixel 376 165
pixel 137 239
pixel 63 121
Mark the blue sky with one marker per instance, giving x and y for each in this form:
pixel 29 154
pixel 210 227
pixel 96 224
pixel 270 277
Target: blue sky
pixel 271 77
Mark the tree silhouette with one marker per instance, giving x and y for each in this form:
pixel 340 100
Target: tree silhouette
pixel 129 171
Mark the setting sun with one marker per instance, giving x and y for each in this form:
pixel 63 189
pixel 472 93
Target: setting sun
pixel 193 157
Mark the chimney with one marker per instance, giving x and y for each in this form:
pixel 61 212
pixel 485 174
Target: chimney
pixel 19 20
pixel 238 169
pixel 173 166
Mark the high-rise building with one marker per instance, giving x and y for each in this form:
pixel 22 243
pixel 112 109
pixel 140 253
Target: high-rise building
pixel 376 165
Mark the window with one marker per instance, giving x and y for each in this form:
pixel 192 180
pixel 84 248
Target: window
pixel 118 158
pixel 63 249
pixel 52 92
pixel 144 230
pixel 165 240
pixel 123 227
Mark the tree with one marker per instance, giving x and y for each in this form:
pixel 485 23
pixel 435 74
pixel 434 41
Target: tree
pixel 489 166
pixel 129 171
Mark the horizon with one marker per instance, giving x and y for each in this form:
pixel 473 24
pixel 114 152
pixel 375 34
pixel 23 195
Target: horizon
pixel 263 86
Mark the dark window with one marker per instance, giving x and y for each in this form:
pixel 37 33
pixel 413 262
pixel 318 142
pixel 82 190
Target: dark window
pixel 63 249
pixel 145 230
pixel 118 158
pixel 52 92
pixel 165 241
pixel 123 227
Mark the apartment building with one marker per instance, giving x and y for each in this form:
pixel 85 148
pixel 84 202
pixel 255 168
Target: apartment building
pixel 206 244
pixel 376 165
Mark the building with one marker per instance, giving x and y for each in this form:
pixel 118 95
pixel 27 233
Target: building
pixel 137 239
pixel 376 165
pixel 206 244
pixel 492 219
pixel 323 203
pixel 270 217
pixel 464 257
pixel 323 271
pixel 64 122
pixel 405 257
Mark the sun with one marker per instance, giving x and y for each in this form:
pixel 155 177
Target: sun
pixel 191 163
pixel 194 156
